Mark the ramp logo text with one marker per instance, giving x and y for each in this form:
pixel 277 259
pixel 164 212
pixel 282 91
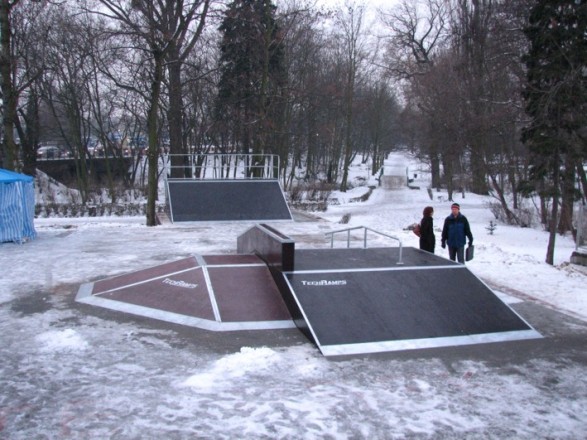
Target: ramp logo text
pixel 179 283
pixel 324 283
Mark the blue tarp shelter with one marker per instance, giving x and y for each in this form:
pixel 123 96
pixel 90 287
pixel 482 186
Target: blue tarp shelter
pixel 17 207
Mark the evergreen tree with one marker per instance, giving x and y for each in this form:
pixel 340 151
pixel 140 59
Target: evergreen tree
pixel 252 75
pixel 555 99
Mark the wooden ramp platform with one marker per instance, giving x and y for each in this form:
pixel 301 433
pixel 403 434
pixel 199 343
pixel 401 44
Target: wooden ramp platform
pixel 216 292
pixel 347 301
pixel 362 301
pixel 193 200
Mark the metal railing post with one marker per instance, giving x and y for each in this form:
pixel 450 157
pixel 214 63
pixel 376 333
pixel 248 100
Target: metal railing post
pixel 220 165
pixel 366 229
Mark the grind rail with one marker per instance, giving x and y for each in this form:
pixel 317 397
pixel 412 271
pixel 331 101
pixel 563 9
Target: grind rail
pixel 365 230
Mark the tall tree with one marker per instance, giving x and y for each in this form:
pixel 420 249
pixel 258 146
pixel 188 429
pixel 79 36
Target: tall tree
pixel 350 23
pixel 14 78
pixel 252 73
pixel 178 17
pixel 302 47
pixel 8 153
pixel 418 30
pixel 157 28
pixel 556 98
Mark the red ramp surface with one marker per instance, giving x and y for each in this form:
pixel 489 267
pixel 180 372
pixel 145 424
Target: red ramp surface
pixel 221 293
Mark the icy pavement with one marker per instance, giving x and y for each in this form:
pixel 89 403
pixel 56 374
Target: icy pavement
pixel 72 371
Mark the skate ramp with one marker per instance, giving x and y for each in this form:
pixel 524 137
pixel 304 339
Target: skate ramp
pixel 226 200
pixel 356 301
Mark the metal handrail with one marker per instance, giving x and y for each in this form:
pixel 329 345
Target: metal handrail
pixel 366 229
pixel 224 165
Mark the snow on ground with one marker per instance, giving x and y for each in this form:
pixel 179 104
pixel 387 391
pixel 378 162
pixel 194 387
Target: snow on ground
pixel 73 371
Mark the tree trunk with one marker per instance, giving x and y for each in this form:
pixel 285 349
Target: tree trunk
pixel 565 222
pixel 513 180
pixel 554 212
pixel 348 146
pixel 504 204
pixel 153 151
pixel 29 136
pixel 478 172
pixel 582 179
pixel 174 114
pixel 9 151
pixel 552 232
pixel 447 163
pixel 435 169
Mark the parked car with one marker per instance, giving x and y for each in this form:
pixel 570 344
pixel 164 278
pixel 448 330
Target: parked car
pixel 52 152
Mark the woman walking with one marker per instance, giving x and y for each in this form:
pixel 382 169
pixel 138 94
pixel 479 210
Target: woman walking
pixel 427 238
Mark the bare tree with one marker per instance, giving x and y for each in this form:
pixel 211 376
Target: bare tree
pixel 179 15
pixel 17 72
pixel 160 29
pixel 352 39
pixel 417 29
pixel 418 33
pixel 299 139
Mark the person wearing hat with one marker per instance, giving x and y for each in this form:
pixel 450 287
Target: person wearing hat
pixel 455 232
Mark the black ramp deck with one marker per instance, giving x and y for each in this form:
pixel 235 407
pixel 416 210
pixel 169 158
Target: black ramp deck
pixel 226 200
pixel 361 301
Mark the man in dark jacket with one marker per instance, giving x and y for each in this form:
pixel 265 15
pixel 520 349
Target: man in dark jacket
pixel 455 232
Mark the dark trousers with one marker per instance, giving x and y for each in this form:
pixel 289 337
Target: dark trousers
pixel 457 253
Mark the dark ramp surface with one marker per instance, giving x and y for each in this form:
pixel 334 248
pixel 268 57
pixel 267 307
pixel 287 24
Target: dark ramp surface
pixel 226 200
pixel 370 258
pixel 363 301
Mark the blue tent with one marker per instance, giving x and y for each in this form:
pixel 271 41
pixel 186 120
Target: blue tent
pixel 17 207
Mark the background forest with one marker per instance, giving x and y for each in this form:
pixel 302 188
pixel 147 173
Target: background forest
pixel 489 93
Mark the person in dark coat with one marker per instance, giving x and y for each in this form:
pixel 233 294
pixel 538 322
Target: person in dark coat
pixel 427 238
pixel 455 232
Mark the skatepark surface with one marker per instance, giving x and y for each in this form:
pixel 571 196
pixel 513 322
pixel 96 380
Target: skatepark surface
pixel 72 370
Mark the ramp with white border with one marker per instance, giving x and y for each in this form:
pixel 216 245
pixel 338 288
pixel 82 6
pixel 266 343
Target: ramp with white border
pixel 356 301
pixel 193 200
pixel 347 301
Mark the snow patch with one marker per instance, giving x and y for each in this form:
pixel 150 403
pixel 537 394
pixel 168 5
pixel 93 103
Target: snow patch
pixel 63 340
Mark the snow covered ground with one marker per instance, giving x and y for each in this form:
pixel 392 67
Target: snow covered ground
pixel 72 371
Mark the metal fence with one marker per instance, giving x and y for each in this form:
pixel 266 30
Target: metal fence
pixel 222 166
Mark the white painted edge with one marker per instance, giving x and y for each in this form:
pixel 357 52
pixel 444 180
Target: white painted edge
pixel 85 296
pixel 414 344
